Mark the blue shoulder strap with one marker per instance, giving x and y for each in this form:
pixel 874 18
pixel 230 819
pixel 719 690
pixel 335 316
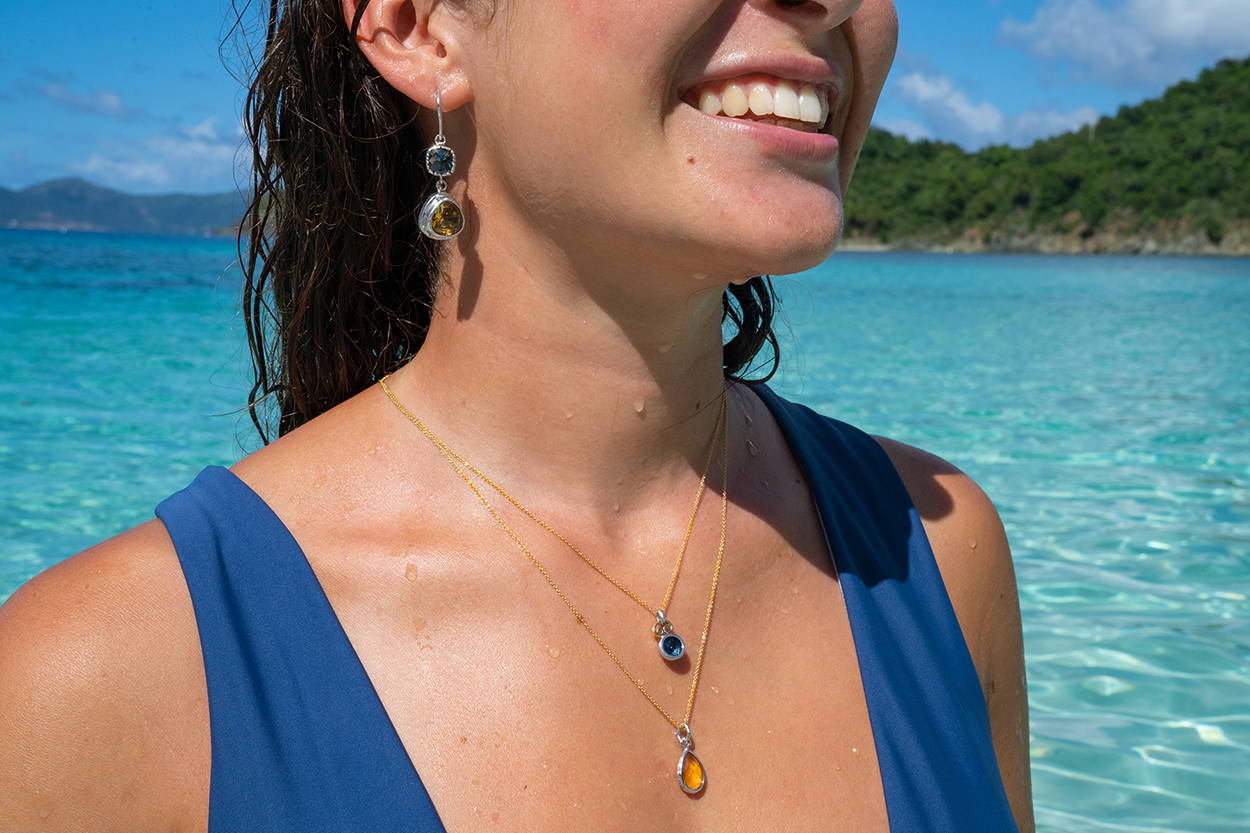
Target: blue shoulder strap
pixel 929 721
pixel 300 739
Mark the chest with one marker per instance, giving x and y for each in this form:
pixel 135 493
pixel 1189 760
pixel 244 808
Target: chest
pixel 515 715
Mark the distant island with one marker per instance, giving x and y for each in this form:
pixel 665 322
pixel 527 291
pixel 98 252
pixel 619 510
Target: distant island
pixel 74 204
pixel 1170 175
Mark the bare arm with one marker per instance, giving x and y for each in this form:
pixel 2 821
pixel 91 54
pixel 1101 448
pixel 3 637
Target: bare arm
pixel 93 681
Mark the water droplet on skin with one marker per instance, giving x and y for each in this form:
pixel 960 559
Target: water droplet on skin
pixel 411 572
pixel 555 652
pixel 751 448
pixel 639 405
pixel 699 276
pixel 715 690
pixel 616 506
pixel 785 610
pixel 972 544
pixel 568 414
pixel 669 686
pixel 544 766
pixel 664 348
pixel 750 421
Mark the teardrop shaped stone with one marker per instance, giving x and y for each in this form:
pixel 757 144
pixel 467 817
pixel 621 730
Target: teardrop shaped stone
pixel 691 771
pixel 447 219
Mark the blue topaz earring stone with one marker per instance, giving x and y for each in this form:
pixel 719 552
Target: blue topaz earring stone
pixel 672 647
pixel 441 217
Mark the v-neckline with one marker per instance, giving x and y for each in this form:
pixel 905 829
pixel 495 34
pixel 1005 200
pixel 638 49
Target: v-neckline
pixel 776 408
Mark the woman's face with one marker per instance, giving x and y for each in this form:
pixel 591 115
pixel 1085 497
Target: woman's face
pixel 574 127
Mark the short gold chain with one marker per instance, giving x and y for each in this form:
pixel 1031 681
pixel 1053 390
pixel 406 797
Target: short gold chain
pixel 672 582
pixel 448 454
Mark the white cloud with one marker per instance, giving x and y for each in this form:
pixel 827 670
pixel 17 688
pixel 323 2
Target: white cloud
pixel 1136 41
pixel 1034 124
pixel 123 174
pixel 100 102
pixel 204 130
pixel 193 158
pixel 949 109
pixel 954 117
pixel 904 127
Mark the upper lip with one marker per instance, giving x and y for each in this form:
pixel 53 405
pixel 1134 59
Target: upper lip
pixel 783 65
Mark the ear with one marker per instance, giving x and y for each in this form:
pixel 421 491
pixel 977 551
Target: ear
pixel 415 45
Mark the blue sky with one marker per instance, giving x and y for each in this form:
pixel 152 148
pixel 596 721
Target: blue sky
pixel 135 96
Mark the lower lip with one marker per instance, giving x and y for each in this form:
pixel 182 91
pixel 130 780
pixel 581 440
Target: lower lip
pixel 782 141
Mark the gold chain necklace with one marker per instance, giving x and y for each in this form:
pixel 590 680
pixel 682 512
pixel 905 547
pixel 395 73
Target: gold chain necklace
pixel 670 644
pixel 691 774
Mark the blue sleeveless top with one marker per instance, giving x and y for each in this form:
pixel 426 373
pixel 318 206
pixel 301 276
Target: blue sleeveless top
pixel 301 741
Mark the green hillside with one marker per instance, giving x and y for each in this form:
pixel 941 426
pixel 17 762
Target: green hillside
pixel 1171 167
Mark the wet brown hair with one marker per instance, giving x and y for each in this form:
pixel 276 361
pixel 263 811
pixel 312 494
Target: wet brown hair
pixel 338 280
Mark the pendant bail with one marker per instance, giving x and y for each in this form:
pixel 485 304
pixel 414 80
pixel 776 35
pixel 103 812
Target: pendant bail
pixel 671 646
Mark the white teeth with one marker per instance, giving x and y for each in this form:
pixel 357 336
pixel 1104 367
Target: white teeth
pixel 709 102
pixel 733 101
pixel 761 100
pixel 779 98
pixel 809 104
pixel 786 101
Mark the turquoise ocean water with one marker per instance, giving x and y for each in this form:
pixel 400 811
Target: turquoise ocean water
pixel 1102 402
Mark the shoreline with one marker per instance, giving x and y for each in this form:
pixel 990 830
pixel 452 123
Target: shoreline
pixel 1044 246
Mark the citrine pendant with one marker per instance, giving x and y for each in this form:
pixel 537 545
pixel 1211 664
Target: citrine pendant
pixel 691 776
pixel 440 217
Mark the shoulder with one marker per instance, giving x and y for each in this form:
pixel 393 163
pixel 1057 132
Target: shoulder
pixel 100 685
pixel 973 555
pixel 968 540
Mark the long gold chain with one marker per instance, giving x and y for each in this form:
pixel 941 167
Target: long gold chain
pixel 448 454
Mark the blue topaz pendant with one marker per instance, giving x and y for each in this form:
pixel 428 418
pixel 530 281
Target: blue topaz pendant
pixel 691 776
pixel 672 647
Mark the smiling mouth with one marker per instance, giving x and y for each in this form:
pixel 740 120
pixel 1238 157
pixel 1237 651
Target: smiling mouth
pixel 758 96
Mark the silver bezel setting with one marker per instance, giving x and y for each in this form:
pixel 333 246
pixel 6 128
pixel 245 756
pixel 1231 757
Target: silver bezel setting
pixel 660 646
pixel 430 168
pixel 681 765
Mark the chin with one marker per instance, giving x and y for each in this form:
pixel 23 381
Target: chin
pixel 785 255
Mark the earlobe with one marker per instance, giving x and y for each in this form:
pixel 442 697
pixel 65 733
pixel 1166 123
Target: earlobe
pixel 396 38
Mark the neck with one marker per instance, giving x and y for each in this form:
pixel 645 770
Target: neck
pixel 572 395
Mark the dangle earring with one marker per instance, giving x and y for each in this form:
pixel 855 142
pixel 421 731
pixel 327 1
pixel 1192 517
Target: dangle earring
pixel 441 216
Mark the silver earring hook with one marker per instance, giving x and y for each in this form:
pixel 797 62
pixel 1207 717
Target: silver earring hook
pixel 439 138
